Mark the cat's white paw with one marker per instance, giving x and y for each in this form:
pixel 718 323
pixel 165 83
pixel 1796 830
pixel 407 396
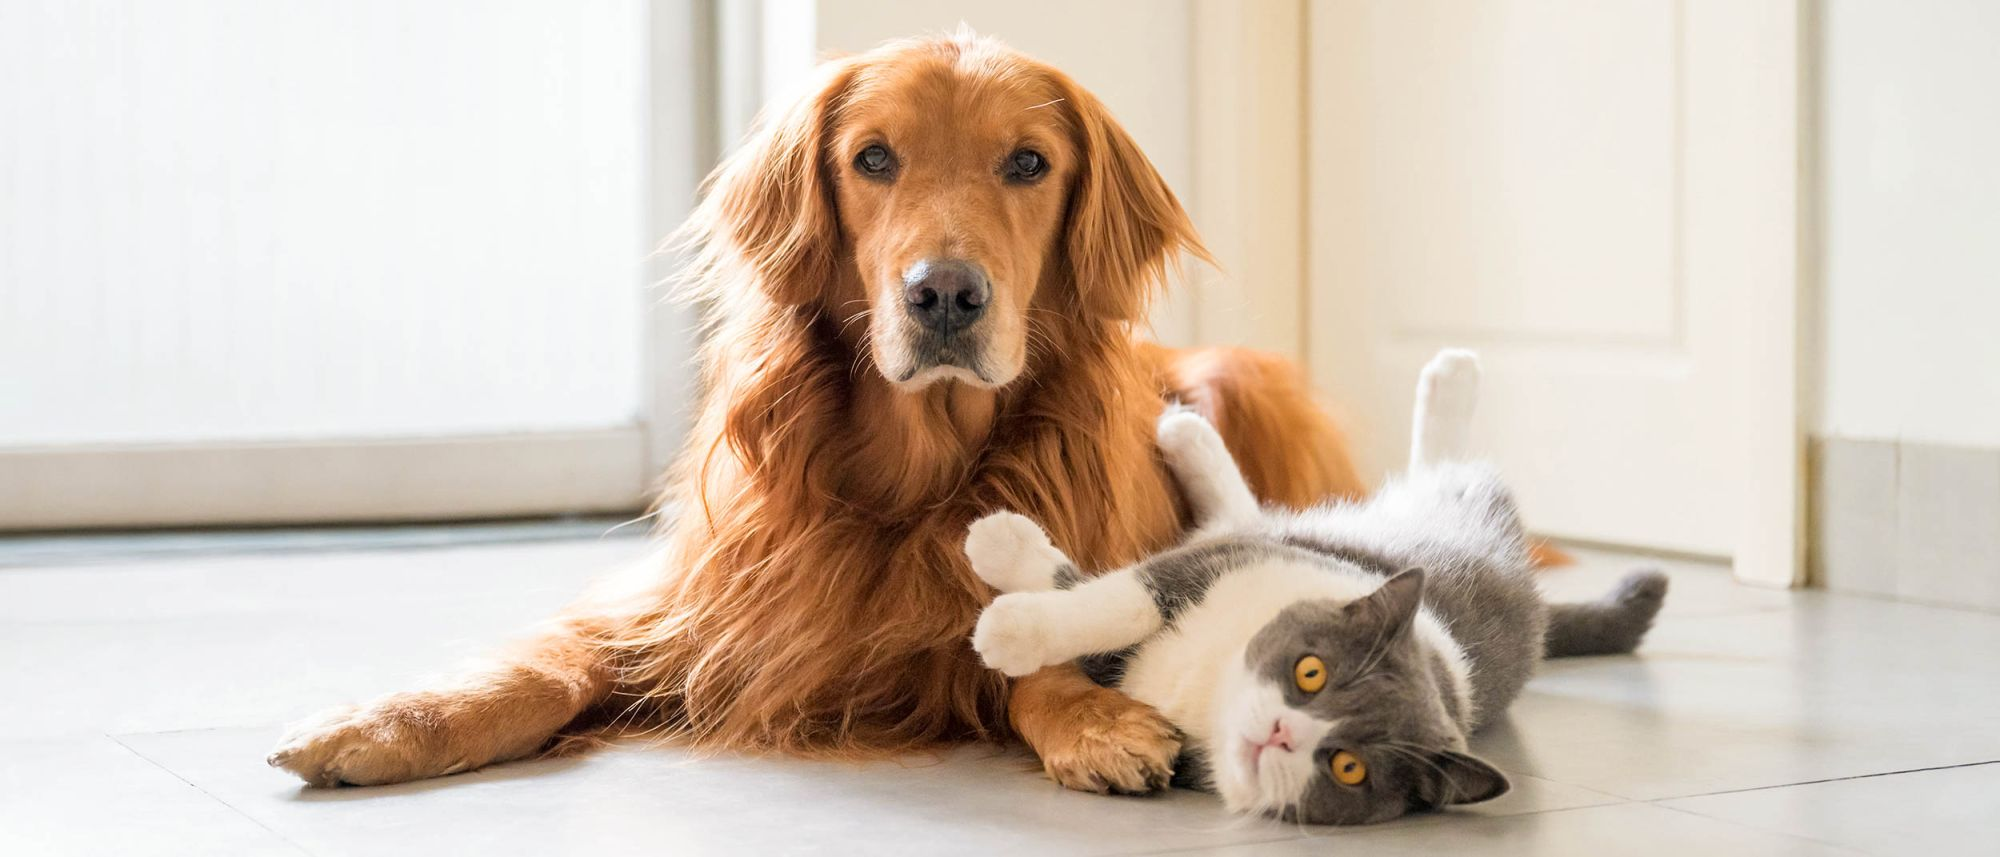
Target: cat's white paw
pixel 1013 634
pixel 1451 380
pixel 1447 391
pixel 1183 434
pixel 1012 554
pixel 1207 473
pixel 1190 443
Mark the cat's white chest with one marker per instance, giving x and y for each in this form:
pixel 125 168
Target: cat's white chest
pixel 1177 671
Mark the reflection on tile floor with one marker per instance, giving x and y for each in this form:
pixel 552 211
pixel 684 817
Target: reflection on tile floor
pixel 143 694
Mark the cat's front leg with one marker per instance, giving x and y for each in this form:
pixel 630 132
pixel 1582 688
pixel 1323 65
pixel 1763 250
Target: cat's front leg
pixel 1022 632
pixel 1012 554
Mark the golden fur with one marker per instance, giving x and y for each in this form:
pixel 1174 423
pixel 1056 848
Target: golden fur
pixel 812 596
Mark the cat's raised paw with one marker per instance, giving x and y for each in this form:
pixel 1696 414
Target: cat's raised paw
pixel 1012 554
pixel 1013 635
pixel 1183 434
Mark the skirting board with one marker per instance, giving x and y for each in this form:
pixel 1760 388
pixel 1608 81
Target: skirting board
pixel 399 479
pixel 1914 521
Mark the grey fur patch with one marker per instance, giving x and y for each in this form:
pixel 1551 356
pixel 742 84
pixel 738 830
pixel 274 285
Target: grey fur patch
pixel 1066 576
pixel 1351 554
pixel 1106 668
pixel 1192 771
pixel 1447 694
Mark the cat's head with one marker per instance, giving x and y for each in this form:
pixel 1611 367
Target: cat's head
pixel 1337 715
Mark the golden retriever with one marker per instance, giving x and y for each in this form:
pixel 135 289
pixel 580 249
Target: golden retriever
pixel 921 281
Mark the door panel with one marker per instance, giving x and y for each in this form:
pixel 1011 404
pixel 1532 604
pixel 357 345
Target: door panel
pixel 1560 186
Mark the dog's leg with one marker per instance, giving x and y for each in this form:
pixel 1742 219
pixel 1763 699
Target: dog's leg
pixel 507 711
pixel 1090 737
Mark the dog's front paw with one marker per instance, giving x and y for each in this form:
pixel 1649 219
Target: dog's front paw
pixel 389 742
pixel 1012 554
pixel 1115 744
pixel 1013 635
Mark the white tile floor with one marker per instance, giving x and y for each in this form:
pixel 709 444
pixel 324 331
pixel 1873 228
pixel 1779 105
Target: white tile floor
pixel 142 694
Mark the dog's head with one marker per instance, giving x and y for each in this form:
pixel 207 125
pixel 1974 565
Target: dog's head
pixel 955 194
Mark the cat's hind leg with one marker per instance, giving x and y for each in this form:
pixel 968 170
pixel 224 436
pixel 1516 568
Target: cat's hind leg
pixel 1214 486
pixel 1447 391
pixel 1611 625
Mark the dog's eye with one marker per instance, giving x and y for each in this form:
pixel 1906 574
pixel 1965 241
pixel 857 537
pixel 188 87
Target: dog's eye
pixel 1026 165
pixel 875 161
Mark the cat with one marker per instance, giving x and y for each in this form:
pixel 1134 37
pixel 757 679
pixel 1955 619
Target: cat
pixel 1325 666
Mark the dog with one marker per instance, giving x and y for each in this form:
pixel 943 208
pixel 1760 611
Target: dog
pixel 922 281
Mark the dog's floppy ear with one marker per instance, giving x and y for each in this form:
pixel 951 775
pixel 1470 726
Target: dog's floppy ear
pixel 1125 226
pixel 770 205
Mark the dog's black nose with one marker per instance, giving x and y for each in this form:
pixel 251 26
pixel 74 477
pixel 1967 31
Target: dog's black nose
pixel 945 295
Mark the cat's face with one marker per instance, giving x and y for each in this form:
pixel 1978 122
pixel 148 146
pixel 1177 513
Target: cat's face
pixel 1336 716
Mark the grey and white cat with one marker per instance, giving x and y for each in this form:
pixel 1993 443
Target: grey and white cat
pixel 1325 666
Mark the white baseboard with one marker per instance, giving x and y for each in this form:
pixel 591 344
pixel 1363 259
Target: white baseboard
pixel 396 479
pixel 1907 520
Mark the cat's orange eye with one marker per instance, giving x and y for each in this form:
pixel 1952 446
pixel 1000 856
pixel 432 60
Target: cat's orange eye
pixel 1348 769
pixel 1309 674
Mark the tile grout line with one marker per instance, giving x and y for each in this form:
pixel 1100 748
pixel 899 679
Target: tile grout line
pixel 1754 829
pixel 210 795
pixel 1819 782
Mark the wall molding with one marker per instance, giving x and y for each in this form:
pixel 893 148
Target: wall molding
pixel 1907 520
pixel 343 480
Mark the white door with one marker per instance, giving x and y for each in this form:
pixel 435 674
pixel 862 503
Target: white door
pixel 1599 197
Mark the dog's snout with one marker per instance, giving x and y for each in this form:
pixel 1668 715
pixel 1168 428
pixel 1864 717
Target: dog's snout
pixel 945 295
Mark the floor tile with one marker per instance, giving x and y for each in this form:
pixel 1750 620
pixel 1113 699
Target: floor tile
pixel 636 799
pixel 242 640
pixel 1700 588
pixel 968 801
pixel 1627 830
pixel 193 661
pixel 94 796
pixel 1949 811
pixel 1835 687
pixel 977 799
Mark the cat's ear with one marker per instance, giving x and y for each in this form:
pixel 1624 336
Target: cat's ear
pixel 1454 778
pixel 1393 604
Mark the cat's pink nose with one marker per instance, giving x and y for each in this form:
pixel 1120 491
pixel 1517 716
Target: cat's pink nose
pixel 1281 736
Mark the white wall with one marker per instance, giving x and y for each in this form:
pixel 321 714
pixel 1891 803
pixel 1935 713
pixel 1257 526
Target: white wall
pixel 1910 196
pixel 239 219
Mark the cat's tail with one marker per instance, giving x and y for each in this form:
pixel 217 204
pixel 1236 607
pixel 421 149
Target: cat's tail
pixel 1441 427
pixel 1611 625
